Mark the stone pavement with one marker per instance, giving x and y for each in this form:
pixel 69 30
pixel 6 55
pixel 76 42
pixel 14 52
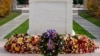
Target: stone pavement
pixel 90 27
pixel 10 26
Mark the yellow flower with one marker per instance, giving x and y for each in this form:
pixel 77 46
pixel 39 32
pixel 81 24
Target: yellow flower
pixel 20 40
pixel 17 49
pixel 75 46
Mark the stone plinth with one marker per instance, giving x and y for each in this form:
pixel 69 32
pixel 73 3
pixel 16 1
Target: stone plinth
pixel 50 14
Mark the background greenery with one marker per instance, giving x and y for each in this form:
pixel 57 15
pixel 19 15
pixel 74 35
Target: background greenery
pixel 77 1
pixel 22 1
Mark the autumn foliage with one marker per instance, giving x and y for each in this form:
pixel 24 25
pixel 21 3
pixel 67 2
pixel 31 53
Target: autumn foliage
pixel 94 7
pixel 5 7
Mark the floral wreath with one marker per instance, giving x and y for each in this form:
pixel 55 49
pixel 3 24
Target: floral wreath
pixel 50 43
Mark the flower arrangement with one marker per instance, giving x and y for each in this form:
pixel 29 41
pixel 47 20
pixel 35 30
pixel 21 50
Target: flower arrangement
pixel 78 44
pixel 50 43
pixel 23 43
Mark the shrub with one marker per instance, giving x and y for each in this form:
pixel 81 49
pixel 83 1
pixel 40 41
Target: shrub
pixel 94 7
pixel 5 7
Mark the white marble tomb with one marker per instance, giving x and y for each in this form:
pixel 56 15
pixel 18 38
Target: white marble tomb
pixel 50 14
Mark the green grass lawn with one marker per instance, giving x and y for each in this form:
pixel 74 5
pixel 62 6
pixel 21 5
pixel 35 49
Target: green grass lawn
pixel 11 16
pixel 80 30
pixel 90 18
pixel 24 27
pixel 20 30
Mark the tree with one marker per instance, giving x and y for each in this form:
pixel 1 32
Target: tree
pixel 5 7
pixel 94 7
